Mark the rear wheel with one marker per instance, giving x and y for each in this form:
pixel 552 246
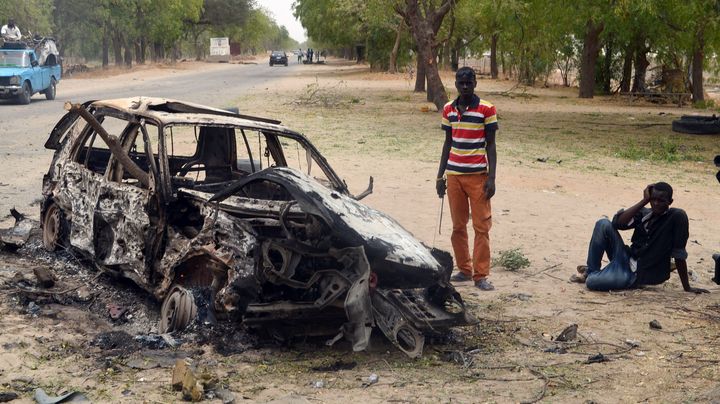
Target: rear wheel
pixel 24 97
pixel 178 310
pixel 54 228
pixel 50 92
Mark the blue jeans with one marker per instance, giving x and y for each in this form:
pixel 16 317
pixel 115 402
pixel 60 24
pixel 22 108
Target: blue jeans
pixel 617 274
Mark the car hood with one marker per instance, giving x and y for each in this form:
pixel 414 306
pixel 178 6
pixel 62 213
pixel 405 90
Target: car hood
pixel 351 221
pixel 12 71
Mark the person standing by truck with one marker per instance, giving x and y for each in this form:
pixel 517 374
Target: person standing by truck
pixel 10 31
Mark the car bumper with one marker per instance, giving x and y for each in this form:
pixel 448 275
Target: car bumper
pixel 10 91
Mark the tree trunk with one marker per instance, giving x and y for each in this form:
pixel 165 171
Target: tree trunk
pixel 446 55
pixel 627 69
pixel 591 46
pixel 493 56
pixel 392 68
pixel 641 65
pixel 420 77
pixel 455 55
pixel 424 30
pixel 117 48
pixel 607 65
pixel 697 68
pixel 105 50
pixel 128 56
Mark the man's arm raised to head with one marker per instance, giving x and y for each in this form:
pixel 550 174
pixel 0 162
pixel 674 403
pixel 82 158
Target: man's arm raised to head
pixel 626 216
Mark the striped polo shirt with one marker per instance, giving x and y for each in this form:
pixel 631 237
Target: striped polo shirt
pixel 467 152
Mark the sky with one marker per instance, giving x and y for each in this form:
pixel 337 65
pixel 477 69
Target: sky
pixel 282 12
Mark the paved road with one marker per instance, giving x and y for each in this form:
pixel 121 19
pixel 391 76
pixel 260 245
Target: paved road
pixel 24 128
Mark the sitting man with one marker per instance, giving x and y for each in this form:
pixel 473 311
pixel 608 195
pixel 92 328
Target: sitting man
pixel 659 233
pixel 10 32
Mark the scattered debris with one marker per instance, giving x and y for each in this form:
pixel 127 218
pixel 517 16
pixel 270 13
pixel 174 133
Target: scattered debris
pixel 6 396
pixel 75 397
pixel 597 358
pixel 318 384
pixel 45 278
pixel 542 159
pixel 523 297
pixel 16 236
pixel 556 349
pixel 632 343
pixel 184 379
pixel 225 395
pixel 568 334
pixel 116 311
pixel 655 325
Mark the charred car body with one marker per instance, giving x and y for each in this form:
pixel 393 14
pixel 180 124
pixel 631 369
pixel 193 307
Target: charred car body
pixel 180 197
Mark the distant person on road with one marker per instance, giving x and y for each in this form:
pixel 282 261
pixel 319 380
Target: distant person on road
pixel 322 53
pixel 659 233
pixel 310 55
pixel 10 31
pixel 300 55
pixel 468 160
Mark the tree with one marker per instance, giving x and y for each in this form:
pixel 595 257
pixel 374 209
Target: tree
pixel 424 19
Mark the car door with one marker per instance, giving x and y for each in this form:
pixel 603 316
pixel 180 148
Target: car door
pixel 127 211
pixel 36 79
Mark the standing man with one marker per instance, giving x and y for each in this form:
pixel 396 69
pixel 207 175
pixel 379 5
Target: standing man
pixel 10 31
pixel 300 55
pixel 469 159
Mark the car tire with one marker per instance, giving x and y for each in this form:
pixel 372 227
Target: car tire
pixel 697 126
pixel 178 310
pixel 286 63
pixel 24 97
pixel 52 90
pixel 54 228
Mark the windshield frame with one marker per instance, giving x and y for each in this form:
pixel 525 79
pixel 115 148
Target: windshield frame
pixel 7 57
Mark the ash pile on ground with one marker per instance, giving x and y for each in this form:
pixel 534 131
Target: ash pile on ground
pixel 119 320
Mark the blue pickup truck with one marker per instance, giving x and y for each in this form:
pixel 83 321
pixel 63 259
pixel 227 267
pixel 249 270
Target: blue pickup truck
pixel 29 68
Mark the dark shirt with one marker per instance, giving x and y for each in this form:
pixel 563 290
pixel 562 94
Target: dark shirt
pixel 654 241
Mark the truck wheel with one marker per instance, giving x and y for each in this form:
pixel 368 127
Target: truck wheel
pixel 50 92
pixel 24 97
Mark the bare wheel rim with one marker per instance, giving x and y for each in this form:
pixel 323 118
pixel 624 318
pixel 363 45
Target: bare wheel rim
pixel 178 310
pixel 51 228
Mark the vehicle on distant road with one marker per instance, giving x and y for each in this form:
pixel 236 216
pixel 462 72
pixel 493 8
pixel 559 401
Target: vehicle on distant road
pixel 278 58
pixel 27 68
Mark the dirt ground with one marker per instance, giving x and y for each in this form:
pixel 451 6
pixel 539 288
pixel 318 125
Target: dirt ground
pixel 563 163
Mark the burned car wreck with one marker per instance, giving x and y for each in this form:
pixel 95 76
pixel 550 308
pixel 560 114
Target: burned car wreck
pixel 180 197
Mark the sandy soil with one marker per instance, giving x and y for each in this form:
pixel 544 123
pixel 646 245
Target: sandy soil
pixel 546 209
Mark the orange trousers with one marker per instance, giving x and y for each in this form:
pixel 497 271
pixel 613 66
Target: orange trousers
pixel 466 196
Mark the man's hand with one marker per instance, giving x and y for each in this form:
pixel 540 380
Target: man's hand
pixel 647 193
pixel 440 187
pixel 489 188
pixel 697 290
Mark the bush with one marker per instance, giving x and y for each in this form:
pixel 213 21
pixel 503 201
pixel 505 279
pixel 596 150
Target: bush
pixel 512 260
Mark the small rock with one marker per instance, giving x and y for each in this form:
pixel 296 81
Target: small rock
pixel 568 334
pixel 318 384
pixel 632 343
pixel 655 325
pixel 373 378
pixel 225 395
pixel 33 308
pixel 597 358
pixel 6 396
pixel 83 294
